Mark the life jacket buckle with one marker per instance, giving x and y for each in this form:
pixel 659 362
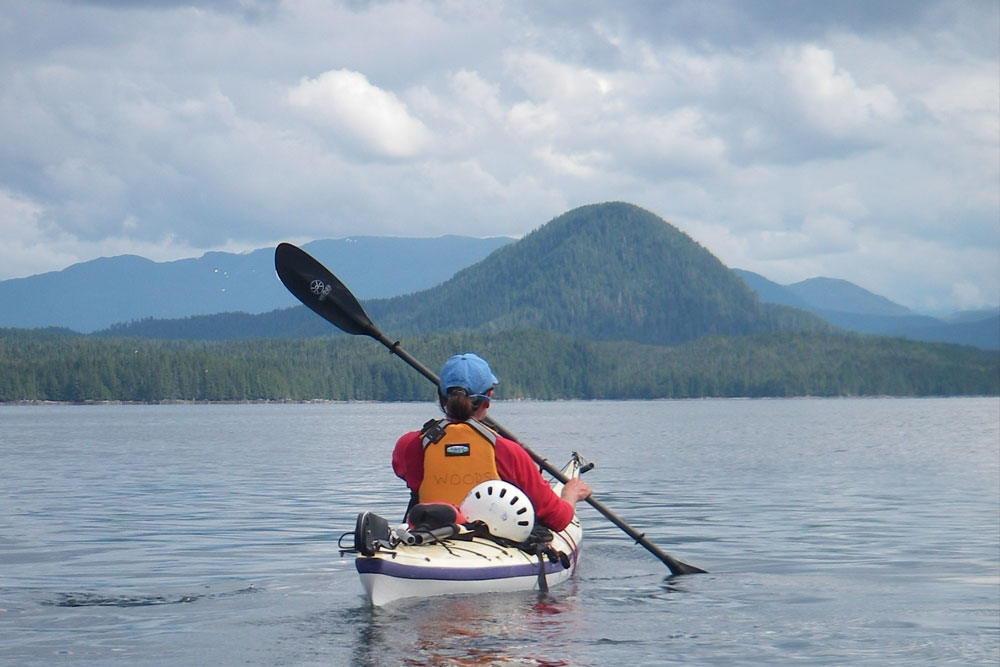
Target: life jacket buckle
pixel 432 432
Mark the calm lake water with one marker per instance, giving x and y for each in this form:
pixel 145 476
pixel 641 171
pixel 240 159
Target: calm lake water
pixel 839 532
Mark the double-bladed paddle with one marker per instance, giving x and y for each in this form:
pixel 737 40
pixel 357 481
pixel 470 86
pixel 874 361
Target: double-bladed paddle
pixel 323 293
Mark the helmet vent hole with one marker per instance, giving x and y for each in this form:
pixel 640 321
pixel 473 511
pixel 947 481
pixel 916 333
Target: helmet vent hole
pixel 503 492
pixel 522 510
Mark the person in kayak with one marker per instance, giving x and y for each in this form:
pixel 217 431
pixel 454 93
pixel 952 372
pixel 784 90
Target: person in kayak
pixel 442 461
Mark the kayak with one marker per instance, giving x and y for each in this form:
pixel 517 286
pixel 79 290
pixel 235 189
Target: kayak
pixel 397 563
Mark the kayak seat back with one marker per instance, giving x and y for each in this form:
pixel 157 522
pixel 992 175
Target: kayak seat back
pixel 370 533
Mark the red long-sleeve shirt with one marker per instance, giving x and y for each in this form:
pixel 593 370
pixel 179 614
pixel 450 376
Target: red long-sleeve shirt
pixel 513 464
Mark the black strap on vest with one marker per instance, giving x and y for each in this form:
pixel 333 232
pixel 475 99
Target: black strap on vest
pixel 433 430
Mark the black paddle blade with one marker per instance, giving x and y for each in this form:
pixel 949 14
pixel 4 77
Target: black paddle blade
pixel 684 568
pixel 321 291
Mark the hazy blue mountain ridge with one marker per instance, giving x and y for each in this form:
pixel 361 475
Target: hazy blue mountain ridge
pixel 840 295
pixel 850 307
pixel 94 295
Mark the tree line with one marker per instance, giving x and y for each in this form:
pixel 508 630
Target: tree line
pixel 50 366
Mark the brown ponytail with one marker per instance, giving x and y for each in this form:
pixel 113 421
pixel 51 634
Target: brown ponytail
pixel 458 405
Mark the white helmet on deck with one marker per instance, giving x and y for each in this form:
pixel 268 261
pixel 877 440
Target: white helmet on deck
pixel 503 507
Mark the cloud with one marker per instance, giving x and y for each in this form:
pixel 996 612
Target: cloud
pixel 581 166
pixel 22 248
pixel 793 139
pixel 829 97
pixel 32 246
pixel 967 295
pixel 477 93
pixel 361 114
pixel 817 236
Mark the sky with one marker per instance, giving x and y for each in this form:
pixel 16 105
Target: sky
pixel 852 139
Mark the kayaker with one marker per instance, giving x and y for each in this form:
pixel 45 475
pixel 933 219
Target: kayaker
pixel 442 461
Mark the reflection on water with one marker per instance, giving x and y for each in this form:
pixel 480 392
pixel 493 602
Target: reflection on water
pixel 510 628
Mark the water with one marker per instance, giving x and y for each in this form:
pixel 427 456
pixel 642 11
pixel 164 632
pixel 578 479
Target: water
pixel 863 532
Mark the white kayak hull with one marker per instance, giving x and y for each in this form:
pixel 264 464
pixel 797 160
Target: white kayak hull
pixel 464 566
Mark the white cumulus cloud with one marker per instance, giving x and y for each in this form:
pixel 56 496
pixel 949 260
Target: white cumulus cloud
pixel 830 96
pixel 361 113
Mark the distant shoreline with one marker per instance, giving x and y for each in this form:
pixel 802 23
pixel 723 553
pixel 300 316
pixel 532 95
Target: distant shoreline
pixel 326 401
pixel 178 401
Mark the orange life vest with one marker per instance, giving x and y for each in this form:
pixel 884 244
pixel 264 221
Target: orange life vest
pixel 457 456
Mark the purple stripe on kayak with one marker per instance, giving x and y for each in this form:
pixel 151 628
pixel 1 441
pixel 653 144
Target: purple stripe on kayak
pixel 394 569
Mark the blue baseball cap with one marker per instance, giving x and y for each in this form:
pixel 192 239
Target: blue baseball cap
pixel 469 372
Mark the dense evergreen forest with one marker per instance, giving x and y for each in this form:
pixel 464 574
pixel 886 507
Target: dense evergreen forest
pixel 51 366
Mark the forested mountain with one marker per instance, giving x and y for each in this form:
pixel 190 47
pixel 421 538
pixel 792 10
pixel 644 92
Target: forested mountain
pixel 608 271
